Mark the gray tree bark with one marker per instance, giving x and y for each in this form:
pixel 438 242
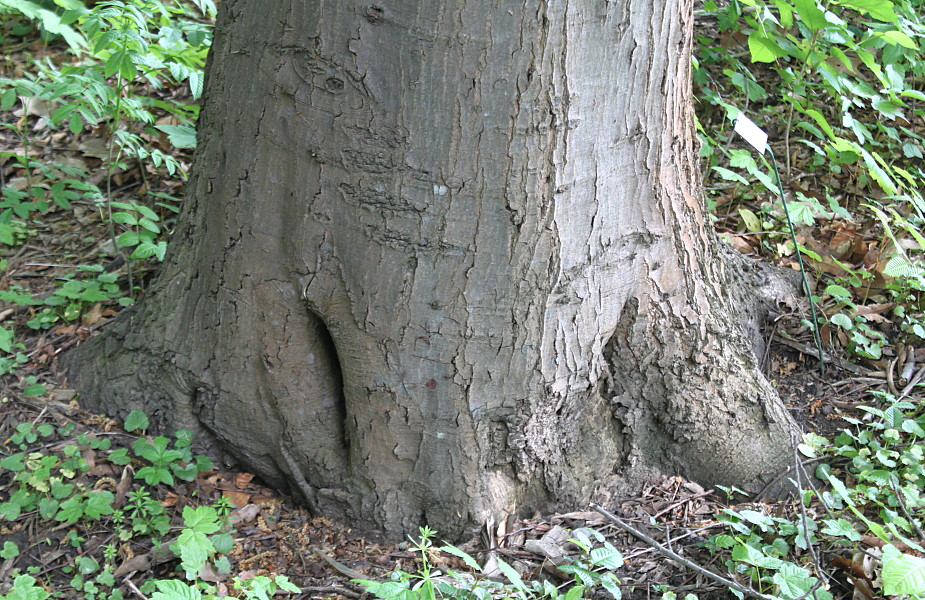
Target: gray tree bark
pixel 441 261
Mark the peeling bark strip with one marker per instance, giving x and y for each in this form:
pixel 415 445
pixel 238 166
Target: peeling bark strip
pixel 441 260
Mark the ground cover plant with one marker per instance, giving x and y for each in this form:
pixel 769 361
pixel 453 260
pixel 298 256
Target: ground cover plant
pixel 839 87
pixel 98 113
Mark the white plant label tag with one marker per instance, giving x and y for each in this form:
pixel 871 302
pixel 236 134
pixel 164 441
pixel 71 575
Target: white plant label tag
pixel 752 133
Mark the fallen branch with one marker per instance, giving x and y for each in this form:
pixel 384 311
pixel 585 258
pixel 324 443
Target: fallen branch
pixel 677 558
pixel 312 590
pixel 342 568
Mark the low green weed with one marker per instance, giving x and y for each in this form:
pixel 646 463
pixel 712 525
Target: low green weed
pixel 46 472
pixel 876 486
pixel 836 85
pixel 593 568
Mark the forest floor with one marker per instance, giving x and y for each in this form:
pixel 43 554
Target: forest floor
pixel 272 533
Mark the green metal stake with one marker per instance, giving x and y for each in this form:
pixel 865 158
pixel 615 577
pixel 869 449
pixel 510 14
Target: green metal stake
pixel 758 139
pixel 796 246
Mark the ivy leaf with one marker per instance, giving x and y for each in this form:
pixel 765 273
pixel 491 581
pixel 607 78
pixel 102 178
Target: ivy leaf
pixel 71 510
pixel 136 420
pixel 10 550
pixel 99 504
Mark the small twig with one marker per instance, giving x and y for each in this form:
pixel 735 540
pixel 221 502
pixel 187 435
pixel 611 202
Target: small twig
pixel 797 467
pixel 134 589
pixel 909 365
pixel 674 505
pixel 328 589
pixel 675 557
pixel 902 506
pixel 342 568
pixel 913 383
pixel 807 349
pixel 307 490
pixel 889 377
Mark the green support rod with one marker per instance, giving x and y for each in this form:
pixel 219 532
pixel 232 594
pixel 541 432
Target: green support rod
pixel 796 245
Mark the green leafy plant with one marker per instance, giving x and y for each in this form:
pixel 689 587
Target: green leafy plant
pixel 835 82
pixel 25 587
pixel 880 489
pixel 592 568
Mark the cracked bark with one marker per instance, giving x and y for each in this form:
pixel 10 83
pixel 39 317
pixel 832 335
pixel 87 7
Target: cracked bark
pixel 444 260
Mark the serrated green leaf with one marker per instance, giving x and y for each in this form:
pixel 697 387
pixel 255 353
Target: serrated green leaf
pixel 608 557
pixel 129 238
pixel 793 581
pixel 193 548
pixel 612 585
pixel 173 589
pixel 574 592
pixel 202 519
pixel 882 10
pixel 180 136
pixel 898 37
pixel 730 175
pixel 751 555
pixel 98 503
pixel 903 574
pixel 124 218
pixel 810 14
pixel 6 340
pixel 838 292
pixel 13 462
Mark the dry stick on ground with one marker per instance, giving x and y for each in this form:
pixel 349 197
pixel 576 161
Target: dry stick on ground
pixel 902 505
pixel 807 349
pixel 310 497
pixel 342 568
pixel 913 383
pixel 675 557
pixel 797 467
pixel 310 591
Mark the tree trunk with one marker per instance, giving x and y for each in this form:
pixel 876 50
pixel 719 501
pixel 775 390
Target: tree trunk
pixel 441 261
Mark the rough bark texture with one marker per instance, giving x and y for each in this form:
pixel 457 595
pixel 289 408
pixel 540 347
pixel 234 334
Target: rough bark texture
pixel 446 260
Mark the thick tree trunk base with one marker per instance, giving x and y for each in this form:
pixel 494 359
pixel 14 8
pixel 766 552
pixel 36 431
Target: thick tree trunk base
pixel 670 402
pixel 445 261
